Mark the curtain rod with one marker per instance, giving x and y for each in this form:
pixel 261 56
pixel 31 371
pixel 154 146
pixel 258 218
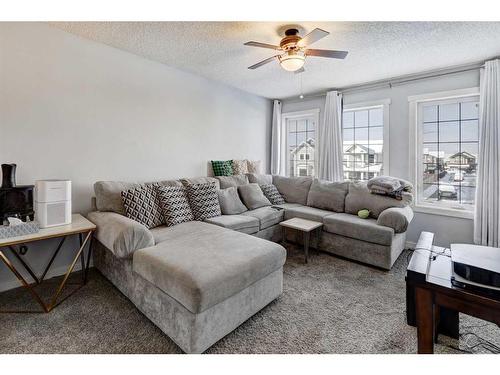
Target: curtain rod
pixel 401 80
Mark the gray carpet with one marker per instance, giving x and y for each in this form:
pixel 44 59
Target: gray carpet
pixel 330 305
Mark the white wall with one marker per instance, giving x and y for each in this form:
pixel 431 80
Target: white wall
pixel 72 108
pixel 447 229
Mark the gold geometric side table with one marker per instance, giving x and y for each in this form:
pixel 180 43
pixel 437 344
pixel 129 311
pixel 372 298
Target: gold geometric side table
pixel 79 226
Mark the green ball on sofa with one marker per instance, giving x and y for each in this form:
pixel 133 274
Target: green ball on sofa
pixel 363 214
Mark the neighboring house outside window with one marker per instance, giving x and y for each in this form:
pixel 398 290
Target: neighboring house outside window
pixel 365 137
pixel 301 158
pixel 446 149
pixel 300 129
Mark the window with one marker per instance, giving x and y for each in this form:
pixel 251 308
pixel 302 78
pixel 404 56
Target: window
pixel 446 151
pixel 363 133
pixel 300 128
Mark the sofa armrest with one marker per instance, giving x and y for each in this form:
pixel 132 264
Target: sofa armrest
pixel 397 218
pixel 120 234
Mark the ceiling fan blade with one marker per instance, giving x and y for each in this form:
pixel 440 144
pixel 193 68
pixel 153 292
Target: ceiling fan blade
pixel 301 70
pixel 312 37
pixel 262 45
pixel 263 62
pixel 326 53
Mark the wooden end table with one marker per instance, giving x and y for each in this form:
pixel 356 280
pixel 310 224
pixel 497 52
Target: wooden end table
pixel 80 226
pixel 304 226
pixel 433 302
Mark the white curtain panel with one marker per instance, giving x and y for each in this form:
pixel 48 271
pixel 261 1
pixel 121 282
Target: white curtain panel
pixel 487 214
pixel 330 166
pixel 277 160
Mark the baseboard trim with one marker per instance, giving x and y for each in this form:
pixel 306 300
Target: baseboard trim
pixel 410 245
pixel 54 272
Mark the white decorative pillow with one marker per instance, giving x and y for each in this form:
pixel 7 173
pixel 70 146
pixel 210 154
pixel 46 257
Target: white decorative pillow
pixel 142 205
pixel 254 166
pixel 204 200
pixel 174 204
pixel 271 192
pixel 240 167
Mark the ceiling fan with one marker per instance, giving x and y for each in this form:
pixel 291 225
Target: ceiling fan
pixel 295 50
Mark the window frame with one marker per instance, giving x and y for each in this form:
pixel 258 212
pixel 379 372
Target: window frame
pixel 416 146
pixel 314 113
pixel 385 105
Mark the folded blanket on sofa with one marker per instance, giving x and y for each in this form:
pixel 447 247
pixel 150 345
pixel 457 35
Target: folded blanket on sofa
pixel 389 186
pixel 384 183
pixel 396 194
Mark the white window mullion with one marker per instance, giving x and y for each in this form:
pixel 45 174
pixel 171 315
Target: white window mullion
pixel 366 139
pixel 444 128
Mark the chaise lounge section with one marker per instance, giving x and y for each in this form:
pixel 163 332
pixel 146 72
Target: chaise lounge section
pixel 197 282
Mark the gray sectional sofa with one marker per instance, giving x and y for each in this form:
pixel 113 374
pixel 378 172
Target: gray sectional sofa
pixel 198 281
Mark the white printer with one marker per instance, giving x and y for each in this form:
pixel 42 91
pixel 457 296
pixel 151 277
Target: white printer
pixel 52 202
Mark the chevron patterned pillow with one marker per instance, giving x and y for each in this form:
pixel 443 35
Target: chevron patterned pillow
pixel 271 192
pixel 142 205
pixel 204 200
pixel 174 204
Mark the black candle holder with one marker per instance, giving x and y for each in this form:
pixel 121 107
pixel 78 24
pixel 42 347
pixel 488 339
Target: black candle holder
pixel 8 175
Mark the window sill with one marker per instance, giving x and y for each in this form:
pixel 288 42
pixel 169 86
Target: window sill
pixel 442 211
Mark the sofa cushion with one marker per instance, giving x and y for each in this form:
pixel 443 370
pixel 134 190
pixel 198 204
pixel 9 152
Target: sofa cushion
pixel 252 196
pixel 204 264
pixel 267 216
pixel 272 193
pixel 359 198
pixel 240 223
pixel 174 204
pixel 108 194
pixel 353 226
pixel 121 235
pixel 222 167
pixel 228 181
pixel 200 180
pixel 240 167
pixel 261 179
pixel 308 213
pixel 230 202
pixel 328 195
pixel 143 205
pixel 204 200
pixel 293 189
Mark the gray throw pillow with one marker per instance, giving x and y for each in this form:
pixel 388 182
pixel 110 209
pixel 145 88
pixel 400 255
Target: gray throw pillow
pixel 174 204
pixel 328 195
pixel 204 200
pixel 252 196
pixel 230 202
pixel 272 193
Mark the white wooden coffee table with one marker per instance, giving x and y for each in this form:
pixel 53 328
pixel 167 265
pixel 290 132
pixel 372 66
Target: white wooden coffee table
pixel 304 226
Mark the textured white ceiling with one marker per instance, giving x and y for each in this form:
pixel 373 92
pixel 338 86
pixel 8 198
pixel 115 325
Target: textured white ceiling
pixel 377 50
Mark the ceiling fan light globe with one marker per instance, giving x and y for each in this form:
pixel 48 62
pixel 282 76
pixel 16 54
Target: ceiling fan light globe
pixel 292 63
